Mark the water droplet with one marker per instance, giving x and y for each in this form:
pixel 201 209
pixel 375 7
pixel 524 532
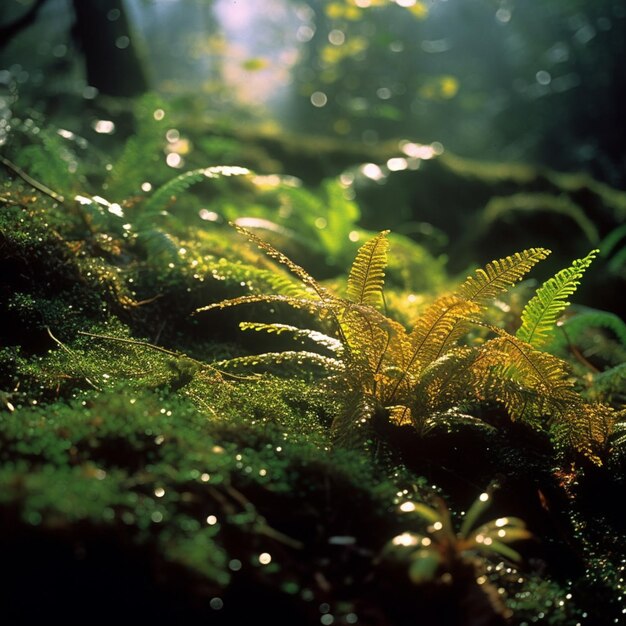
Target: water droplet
pixel 104 127
pixel 319 99
pixel 235 565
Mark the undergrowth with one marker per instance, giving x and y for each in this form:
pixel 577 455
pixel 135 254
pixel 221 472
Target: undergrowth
pixel 145 444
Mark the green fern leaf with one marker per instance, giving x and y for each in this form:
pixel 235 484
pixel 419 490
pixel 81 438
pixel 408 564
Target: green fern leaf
pixel 574 327
pixel 162 196
pixel 367 274
pixel 540 314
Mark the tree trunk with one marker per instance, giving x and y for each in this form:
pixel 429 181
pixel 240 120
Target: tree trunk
pixel 104 35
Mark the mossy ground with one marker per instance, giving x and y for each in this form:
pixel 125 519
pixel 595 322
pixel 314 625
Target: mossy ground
pixel 139 483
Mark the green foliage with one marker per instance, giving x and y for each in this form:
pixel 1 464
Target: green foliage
pixel 141 159
pixel 614 250
pixel 159 200
pixel 540 314
pixel 367 275
pixel 418 375
pixel 437 551
pixel 574 328
pixel 503 208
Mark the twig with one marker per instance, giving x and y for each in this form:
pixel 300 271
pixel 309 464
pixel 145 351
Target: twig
pixel 62 345
pixel 31 181
pixel 138 342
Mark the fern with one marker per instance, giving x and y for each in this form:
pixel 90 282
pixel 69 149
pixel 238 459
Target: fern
pixel 610 385
pixel 585 428
pixel 330 343
pixel 499 275
pixel 441 325
pixel 49 160
pixel 352 425
pixel 162 196
pixel 142 157
pixel 574 327
pixel 295 358
pixel 419 375
pixel 294 268
pixel 367 275
pixel 540 382
pixel 540 314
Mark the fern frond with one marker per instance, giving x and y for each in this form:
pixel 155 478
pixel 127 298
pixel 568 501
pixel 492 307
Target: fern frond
pixel 330 343
pixel 436 328
pixel 445 383
pixel 288 357
pixel 369 336
pixel 312 306
pixel 499 275
pixel 584 428
pixel 540 314
pixel 177 185
pixel 352 426
pixel 538 380
pixel 259 279
pixel 159 200
pixel 298 271
pixel 367 274
pixel 575 326
pixel 610 385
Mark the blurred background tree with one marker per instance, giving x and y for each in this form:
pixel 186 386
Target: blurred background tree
pixel 492 79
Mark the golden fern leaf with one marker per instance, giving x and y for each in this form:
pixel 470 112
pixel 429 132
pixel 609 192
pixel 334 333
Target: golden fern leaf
pixel 330 343
pixel 298 271
pixel 540 314
pixel 288 357
pixel 367 274
pixel 539 370
pixel 530 383
pixel 312 306
pixel 445 383
pixel 477 290
pixel 499 275
pixel 435 328
pixel 584 428
pixel 370 337
pixel 352 426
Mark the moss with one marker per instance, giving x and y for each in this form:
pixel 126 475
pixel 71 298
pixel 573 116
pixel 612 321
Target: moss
pixel 137 478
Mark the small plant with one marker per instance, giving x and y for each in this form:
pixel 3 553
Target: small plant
pixel 439 550
pixel 429 372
